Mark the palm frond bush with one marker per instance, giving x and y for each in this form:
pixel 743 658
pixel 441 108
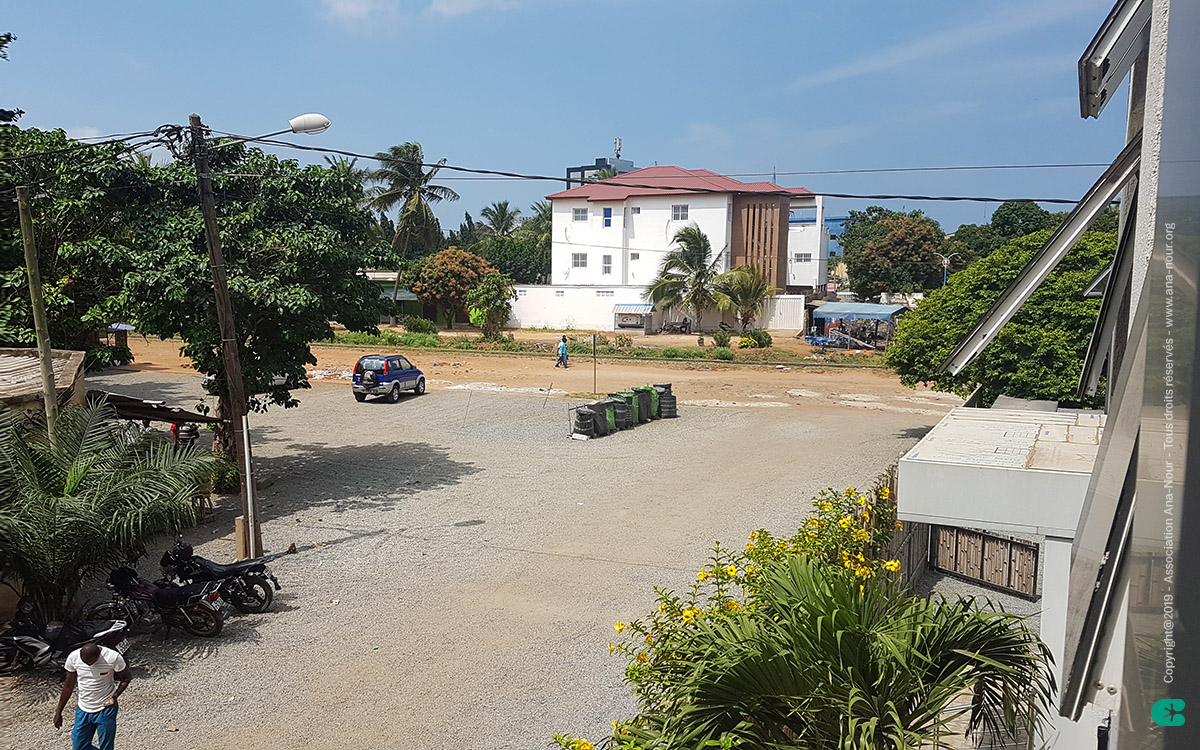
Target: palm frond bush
pixel 86 501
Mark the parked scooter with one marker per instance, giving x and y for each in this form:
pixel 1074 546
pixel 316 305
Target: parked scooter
pixel 195 608
pixel 27 643
pixel 246 584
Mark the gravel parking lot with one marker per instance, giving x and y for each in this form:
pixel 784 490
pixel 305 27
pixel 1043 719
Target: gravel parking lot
pixel 461 564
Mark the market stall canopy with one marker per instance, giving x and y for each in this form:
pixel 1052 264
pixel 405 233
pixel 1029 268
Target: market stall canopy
pixel 857 311
pixel 130 407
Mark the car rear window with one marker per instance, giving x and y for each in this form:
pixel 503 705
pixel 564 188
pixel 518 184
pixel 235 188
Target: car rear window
pixel 371 363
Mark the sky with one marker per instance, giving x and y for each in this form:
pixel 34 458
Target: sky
pixel 535 86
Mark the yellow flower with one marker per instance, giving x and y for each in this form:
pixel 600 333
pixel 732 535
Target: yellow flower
pixel 826 506
pixel 860 588
pixel 662 608
pixel 849 492
pixel 649 639
pixel 611 647
pixel 750 547
pixel 812 535
pixel 642 657
pixel 845 522
pixel 703 575
pixel 732 606
pixel 861 535
pixel 900 525
pixel 860 557
pixel 731 570
pixel 812 522
pixel 619 627
pixel 884 493
pixel 581 744
pixel 753 535
pixel 862 499
pixel 892 565
pixel 863 572
pixel 750 569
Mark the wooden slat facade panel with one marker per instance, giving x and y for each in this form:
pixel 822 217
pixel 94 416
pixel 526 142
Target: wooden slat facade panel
pixel 1008 564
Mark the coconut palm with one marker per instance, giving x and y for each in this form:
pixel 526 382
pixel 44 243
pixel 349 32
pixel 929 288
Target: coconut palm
pixel 347 166
pixel 743 290
pixel 823 664
pixel 405 182
pixel 87 500
pixel 500 220
pixel 687 275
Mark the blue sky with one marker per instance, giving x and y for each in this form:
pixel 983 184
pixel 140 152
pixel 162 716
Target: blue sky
pixel 537 85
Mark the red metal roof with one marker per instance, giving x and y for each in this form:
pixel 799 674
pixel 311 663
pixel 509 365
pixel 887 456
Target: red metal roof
pixel 673 181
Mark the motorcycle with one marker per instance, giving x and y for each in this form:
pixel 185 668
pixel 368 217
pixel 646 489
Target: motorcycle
pixel 28 643
pixel 246 584
pixel 195 608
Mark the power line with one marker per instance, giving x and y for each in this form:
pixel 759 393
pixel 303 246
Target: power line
pixel 978 167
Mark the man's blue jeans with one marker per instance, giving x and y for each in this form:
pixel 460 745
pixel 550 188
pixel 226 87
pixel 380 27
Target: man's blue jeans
pixel 103 724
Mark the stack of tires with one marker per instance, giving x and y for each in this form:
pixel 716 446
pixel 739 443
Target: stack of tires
pixel 644 410
pixel 622 411
pixel 585 422
pixel 667 406
pixel 600 418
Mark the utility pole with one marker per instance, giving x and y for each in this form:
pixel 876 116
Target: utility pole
pixel 248 542
pixel 42 329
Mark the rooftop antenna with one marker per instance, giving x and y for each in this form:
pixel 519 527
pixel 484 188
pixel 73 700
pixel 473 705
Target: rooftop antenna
pixel 617 147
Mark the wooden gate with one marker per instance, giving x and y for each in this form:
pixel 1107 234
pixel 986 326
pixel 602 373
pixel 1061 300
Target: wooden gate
pixel 1008 564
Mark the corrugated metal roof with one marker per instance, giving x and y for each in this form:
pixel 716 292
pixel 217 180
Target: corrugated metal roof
pixel 673 181
pixel 633 308
pixel 857 311
pixel 21 372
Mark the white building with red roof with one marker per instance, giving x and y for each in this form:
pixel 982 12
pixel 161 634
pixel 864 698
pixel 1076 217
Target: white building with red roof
pixel 609 239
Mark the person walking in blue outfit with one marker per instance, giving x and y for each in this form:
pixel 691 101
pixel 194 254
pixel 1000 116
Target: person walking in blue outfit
pixel 101 676
pixel 562 353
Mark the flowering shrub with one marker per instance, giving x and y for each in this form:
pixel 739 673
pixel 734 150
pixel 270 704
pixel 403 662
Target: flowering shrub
pixel 745 342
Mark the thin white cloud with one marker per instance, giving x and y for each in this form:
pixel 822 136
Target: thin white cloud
pixel 83 131
pixel 463 7
pixel 1011 20
pixel 373 15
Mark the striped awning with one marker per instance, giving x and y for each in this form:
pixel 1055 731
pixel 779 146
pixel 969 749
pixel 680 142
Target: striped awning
pixel 637 308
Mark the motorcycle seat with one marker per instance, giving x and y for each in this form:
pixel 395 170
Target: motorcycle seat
pixel 232 569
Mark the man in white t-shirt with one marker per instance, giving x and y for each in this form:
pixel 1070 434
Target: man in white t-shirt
pixel 101 675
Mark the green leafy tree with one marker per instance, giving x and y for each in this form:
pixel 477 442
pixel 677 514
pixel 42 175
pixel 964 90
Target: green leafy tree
pixel 8 115
pixel 687 275
pixel 744 291
pixel 470 233
pixel 79 229
pixel 902 260
pixel 1038 355
pixel 405 182
pixel 446 277
pixel 86 501
pixel 520 256
pixel 295 239
pixel 860 229
pixel 500 219
pixel 972 242
pixel 1018 218
pixel 490 303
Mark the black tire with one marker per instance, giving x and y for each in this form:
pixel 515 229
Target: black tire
pixel 205 622
pixel 110 611
pixel 251 595
pixel 393 396
pixel 13 660
pixel 360 397
pixel 420 387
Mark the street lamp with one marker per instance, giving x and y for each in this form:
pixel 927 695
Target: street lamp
pixel 249 543
pixel 946 265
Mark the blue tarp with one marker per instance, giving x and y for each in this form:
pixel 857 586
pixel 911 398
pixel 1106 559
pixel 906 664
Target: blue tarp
pixel 857 311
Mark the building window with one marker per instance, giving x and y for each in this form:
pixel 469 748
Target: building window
pixel 608 217
pixel 635 210
pixel 679 212
pixel 804 257
pixel 605 264
pixel 559 293
pixel 578 260
pixel 634 256
pixel 604 292
pixel 579 214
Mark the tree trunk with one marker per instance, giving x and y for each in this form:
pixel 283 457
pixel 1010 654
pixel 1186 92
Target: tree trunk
pixel 223 437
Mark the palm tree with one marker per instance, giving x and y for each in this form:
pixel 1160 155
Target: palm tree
pixel 500 219
pixel 744 290
pixel 87 500
pixel 347 166
pixel 404 182
pixel 823 661
pixel 687 274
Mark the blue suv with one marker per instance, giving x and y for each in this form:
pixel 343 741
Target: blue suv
pixel 386 375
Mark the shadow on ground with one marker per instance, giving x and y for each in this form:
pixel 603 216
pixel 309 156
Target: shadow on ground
pixel 338 478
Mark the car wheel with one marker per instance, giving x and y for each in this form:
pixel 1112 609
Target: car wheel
pixel 360 397
pixel 393 396
pixel 420 387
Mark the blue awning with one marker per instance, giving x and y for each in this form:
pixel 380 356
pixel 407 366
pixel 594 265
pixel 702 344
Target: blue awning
pixel 636 308
pixel 857 311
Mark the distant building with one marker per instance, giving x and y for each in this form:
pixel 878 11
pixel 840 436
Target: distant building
pixel 577 176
